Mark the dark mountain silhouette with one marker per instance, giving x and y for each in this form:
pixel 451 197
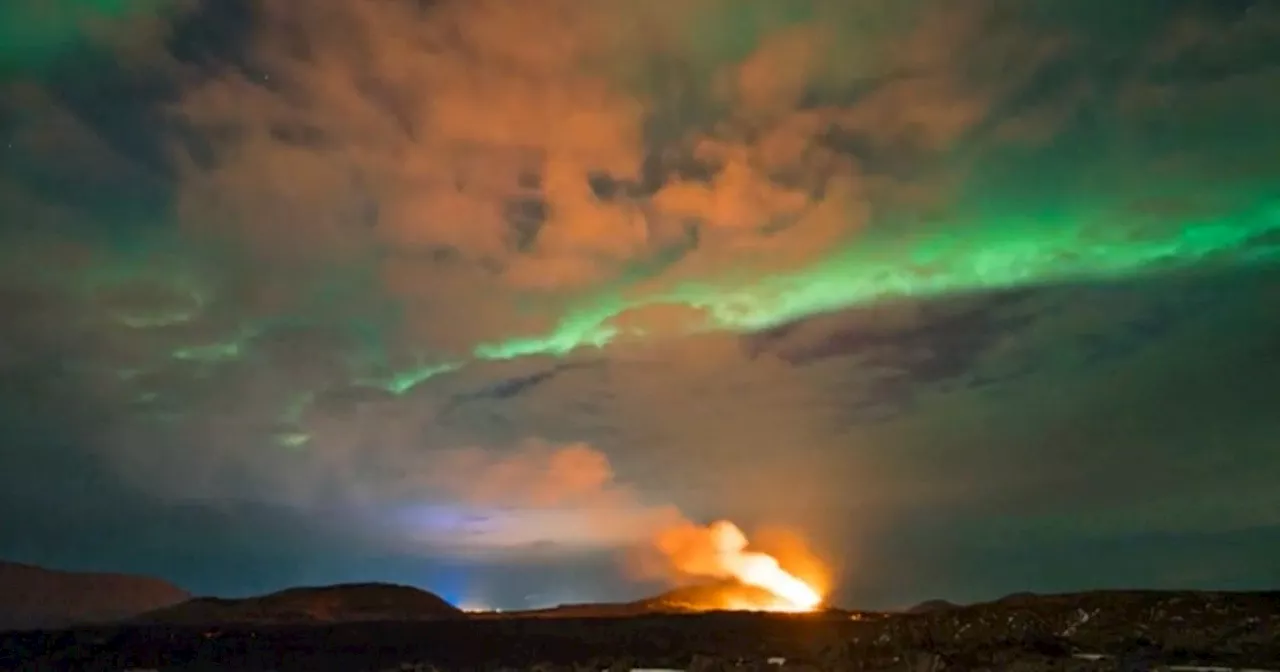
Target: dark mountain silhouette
pixel 34 597
pixel 329 604
pixel 1018 598
pixel 930 606
pixel 710 597
pixel 703 597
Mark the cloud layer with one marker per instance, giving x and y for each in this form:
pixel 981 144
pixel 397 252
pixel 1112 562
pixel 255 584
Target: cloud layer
pixel 462 270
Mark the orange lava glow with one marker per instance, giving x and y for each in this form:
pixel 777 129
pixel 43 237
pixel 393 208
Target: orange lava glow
pixel 720 551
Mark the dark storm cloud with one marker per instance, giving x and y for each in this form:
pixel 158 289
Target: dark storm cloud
pixel 234 276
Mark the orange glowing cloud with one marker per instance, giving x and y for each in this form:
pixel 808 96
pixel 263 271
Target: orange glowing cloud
pixel 483 155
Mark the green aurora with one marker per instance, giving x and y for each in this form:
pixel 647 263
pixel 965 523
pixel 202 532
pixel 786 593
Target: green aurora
pixel 961 261
pixel 1029 240
pixel 34 33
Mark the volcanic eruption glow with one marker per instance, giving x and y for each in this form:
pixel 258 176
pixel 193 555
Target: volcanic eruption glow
pixel 549 500
pixel 720 551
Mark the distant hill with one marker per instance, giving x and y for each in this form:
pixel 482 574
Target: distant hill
pixel 711 597
pixel 715 596
pixel 930 606
pixel 1020 598
pixel 343 603
pixel 34 597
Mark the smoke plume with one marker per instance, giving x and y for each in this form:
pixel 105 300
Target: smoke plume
pixel 721 551
pixel 537 498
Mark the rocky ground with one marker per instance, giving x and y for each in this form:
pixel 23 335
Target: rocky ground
pixel 1088 632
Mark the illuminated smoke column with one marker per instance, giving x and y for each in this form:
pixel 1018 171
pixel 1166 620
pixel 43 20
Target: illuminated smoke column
pixel 720 551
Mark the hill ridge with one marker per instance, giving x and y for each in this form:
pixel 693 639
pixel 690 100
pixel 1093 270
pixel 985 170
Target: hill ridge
pixel 33 597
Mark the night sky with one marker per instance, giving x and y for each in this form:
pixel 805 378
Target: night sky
pixel 975 296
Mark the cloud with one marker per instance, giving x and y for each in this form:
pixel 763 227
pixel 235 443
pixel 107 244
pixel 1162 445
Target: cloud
pixel 534 500
pixel 484 156
pixel 448 264
pixel 519 179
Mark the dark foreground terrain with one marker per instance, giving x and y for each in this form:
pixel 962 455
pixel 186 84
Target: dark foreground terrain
pixel 1092 631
